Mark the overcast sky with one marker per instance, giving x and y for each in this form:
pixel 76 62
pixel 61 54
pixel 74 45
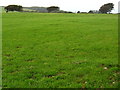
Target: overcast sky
pixel 68 5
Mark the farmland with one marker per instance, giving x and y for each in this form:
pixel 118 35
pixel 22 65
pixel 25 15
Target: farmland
pixel 48 50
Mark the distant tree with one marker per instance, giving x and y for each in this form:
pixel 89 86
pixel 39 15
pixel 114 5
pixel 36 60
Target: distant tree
pixel 78 11
pixel 53 9
pixel 106 8
pixel 84 12
pixel 69 12
pixel 90 11
pixel 13 8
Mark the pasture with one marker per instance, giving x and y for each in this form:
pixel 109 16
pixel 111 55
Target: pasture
pixel 48 50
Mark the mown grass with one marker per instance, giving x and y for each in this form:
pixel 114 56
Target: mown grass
pixel 60 50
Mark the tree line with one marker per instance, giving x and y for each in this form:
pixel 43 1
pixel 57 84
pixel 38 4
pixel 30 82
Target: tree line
pixel 106 8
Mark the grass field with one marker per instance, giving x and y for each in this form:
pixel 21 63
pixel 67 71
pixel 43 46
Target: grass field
pixel 60 50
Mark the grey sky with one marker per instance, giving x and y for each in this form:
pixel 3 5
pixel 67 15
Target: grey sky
pixel 68 5
pixel 119 6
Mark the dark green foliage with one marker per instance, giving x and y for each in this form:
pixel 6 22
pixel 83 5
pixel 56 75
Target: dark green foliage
pixel 13 8
pixel 53 8
pixel 106 8
pixel 78 12
pixel 90 11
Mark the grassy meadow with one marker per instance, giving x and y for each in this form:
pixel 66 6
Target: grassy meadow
pixel 48 50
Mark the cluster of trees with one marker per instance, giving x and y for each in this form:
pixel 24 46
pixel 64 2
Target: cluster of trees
pixel 20 8
pixel 13 8
pixel 106 8
pixel 53 9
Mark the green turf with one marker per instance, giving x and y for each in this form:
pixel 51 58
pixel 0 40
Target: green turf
pixel 60 50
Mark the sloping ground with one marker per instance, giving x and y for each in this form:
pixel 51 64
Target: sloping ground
pixel 25 9
pixel 44 50
pixel 37 9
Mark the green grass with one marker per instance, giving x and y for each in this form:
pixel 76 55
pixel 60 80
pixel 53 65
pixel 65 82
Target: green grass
pixel 60 50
